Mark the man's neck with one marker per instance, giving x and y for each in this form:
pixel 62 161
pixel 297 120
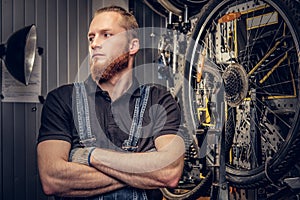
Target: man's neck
pixel 118 84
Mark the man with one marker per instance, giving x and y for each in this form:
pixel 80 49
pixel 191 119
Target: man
pixel 110 138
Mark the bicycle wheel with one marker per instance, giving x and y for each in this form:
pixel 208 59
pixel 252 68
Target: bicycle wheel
pixel 254 44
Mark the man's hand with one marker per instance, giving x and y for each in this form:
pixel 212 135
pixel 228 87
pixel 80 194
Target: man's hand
pixel 62 178
pixel 81 155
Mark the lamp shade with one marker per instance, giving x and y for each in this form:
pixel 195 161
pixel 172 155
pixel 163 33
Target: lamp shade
pixel 20 52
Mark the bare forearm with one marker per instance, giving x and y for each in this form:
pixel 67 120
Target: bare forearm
pixel 146 177
pixel 80 180
pixel 144 170
pixel 62 178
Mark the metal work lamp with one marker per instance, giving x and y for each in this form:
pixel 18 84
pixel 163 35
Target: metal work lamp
pixel 19 53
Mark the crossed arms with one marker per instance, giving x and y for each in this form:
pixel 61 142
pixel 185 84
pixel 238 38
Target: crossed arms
pixel 109 170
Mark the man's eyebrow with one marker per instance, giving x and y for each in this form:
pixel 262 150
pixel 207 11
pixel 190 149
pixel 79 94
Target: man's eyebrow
pixel 101 31
pixel 105 30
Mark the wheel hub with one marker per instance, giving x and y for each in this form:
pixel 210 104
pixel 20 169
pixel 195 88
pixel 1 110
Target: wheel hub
pixel 236 84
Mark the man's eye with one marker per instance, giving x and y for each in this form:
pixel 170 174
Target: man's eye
pixel 107 35
pixel 91 39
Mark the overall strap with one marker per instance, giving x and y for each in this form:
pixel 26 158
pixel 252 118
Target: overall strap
pixel 83 115
pixel 139 109
pixel 87 138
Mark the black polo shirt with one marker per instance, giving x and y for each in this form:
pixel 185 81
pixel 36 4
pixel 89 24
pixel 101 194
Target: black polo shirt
pixel 162 115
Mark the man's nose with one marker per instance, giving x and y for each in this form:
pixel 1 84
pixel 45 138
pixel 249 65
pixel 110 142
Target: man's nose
pixel 97 43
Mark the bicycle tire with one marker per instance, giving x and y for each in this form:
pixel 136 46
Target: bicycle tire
pixel 281 160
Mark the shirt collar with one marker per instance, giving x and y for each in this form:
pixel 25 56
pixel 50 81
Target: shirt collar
pixel 92 88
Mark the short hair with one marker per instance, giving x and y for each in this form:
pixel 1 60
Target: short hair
pixel 128 22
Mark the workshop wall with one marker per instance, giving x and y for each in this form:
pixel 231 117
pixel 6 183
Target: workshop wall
pixel 61 31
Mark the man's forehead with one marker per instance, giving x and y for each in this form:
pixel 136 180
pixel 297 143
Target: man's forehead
pixel 107 21
pixel 107 17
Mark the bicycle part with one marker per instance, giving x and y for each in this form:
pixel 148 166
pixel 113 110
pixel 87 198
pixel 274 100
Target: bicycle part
pixel 162 7
pixel 191 192
pixel 255 47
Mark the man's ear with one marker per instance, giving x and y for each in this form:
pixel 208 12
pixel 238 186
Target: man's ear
pixel 134 46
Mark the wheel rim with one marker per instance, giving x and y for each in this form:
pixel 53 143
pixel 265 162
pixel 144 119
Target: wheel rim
pixel 269 107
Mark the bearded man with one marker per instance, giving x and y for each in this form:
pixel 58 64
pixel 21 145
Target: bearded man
pixel 110 137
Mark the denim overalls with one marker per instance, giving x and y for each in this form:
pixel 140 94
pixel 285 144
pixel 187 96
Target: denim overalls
pixel 84 120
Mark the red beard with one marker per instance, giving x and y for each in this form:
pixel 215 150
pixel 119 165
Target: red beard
pixel 112 69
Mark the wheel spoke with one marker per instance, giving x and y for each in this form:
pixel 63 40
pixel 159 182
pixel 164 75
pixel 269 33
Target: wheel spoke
pixel 259 39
